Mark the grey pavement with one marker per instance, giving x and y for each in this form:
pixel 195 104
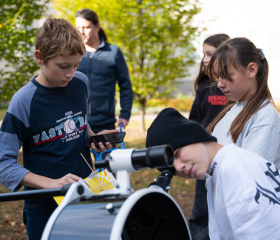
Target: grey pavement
pixel 153 116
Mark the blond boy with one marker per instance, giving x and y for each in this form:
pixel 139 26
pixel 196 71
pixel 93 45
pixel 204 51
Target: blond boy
pixel 48 119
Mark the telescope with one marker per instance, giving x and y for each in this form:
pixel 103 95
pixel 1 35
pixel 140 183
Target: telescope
pixel 149 213
pixel 132 160
pixel 124 161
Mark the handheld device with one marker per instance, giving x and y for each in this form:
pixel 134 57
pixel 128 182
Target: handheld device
pixel 110 137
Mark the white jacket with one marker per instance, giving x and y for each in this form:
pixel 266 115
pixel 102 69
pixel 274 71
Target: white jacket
pixel 261 134
pixel 243 194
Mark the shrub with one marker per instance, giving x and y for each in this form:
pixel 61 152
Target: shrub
pixel 181 102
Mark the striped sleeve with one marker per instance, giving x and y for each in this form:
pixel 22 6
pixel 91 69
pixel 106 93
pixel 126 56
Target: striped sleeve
pixel 14 130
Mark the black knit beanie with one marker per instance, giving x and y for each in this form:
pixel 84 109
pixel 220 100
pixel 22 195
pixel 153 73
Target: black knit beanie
pixel 171 127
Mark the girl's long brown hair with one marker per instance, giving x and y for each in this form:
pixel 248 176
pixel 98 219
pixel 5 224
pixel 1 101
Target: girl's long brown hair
pixel 240 52
pixel 215 41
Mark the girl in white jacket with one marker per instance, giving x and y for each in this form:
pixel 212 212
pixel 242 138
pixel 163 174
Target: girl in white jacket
pixel 250 120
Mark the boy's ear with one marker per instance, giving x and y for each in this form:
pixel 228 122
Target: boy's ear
pixel 252 70
pixel 39 57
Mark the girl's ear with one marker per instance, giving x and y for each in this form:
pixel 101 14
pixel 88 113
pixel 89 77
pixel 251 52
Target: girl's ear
pixel 252 70
pixel 98 26
pixel 39 57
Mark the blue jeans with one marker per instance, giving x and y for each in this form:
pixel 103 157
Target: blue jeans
pixel 36 213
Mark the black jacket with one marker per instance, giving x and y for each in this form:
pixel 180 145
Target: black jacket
pixel 104 69
pixel 208 103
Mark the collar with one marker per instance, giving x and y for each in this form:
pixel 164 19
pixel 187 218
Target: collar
pixel 102 44
pixel 212 168
pixel 241 103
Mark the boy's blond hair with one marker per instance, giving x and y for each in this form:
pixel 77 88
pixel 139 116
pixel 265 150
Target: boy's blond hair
pixel 57 36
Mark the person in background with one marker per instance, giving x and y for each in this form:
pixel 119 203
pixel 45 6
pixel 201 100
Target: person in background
pixel 104 65
pixel 243 192
pixel 48 119
pixel 208 103
pixel 250 120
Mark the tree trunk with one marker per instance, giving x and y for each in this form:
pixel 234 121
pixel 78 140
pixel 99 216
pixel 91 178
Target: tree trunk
pixel 142 118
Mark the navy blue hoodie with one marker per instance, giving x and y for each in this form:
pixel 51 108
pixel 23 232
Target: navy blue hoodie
pixel 50 124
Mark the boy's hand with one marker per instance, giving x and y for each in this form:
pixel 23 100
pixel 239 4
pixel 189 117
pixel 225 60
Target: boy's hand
pixel 37 181
pixel 67 179
pixel 103 147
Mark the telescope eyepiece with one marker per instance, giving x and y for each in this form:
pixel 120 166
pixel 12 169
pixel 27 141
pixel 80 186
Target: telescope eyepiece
pixel 160 156
pixel 153 157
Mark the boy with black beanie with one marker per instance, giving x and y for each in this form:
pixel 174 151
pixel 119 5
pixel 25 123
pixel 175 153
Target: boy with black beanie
pixel 243 193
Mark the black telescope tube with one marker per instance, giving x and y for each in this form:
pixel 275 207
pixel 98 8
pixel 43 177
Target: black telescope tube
pixel 163 179
pixel 153 157
pixel 102 164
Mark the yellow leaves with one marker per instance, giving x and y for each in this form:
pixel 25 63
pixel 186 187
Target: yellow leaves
pixel 7 218
pixel 13 224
